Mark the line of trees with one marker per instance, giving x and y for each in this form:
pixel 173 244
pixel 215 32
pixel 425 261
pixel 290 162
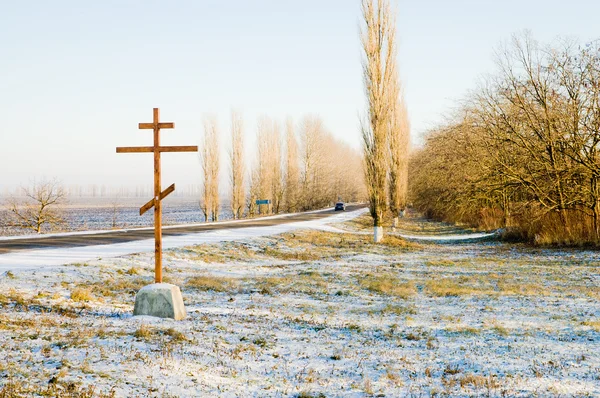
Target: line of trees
pixel 522 151
pixel 297 168
pixel 386 130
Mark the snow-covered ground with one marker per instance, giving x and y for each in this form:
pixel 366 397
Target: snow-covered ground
pixel 311 311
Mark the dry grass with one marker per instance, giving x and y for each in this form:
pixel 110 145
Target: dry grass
pixel 12 297
pixel 363 223
pixel 14 323
pixel 209 254
pixel 155 334
pixel 214 283
pixel 594 324
pixel 440 263
pixel 508 286
pixel 291 255
pixel 485 284
pixel 133 271
pixel 448 287
pixel 144 332
pixel 308 282
pixel 395 242
pixel 388 285
pixel 496 327
pixel 463 329
pixel 399 309
pixel 81 295
pixel 478 381
pixel 56 388
pixel 116 286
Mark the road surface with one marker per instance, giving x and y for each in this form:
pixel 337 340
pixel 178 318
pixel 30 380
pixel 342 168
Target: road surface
pixel 92 238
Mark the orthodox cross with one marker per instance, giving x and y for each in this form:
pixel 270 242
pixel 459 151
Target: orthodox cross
pixel 158 194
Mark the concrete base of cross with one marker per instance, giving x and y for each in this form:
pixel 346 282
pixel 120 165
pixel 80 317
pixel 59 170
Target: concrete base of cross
pixel 161 300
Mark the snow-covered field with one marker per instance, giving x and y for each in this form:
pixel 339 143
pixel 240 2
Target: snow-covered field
pixel 311 312
pixel 84 214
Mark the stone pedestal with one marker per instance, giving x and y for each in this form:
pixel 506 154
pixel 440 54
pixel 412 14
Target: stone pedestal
pixel 377 234
pixel 161 300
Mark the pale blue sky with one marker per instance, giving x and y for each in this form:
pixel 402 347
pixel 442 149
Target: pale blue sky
pixel 77 76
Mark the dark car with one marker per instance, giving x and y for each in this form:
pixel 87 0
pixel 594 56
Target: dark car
pixel 340 206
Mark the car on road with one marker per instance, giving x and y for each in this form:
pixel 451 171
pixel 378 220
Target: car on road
pixel 340 206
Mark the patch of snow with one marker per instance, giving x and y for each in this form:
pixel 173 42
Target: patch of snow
pixel 447 238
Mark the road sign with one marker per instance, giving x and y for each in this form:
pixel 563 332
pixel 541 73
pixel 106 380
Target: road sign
pixel 263 202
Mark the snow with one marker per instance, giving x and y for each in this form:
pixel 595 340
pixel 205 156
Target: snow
pixel 36 258
pixel 308 311
pixel 448 238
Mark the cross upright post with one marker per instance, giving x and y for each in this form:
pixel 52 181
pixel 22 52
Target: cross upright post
pixel 159 195
pixel 157 201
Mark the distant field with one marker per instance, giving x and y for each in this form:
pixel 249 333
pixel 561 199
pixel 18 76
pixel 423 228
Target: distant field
pixel 104 213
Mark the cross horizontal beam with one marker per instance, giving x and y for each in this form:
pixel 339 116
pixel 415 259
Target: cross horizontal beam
pixel 141 149
pixel 151 126
pixel 152 201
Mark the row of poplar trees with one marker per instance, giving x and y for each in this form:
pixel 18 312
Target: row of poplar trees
pixel 296 167
pixel 385 128
pixel 522 151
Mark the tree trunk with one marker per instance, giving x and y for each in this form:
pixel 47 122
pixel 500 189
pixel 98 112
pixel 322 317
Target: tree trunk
pixel 506 209
pixel 377 234
pixel 595 207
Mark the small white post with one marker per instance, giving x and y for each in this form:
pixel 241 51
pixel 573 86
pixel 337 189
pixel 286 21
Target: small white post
pixel 377 234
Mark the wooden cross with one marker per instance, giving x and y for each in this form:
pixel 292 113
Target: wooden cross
pixel 158 194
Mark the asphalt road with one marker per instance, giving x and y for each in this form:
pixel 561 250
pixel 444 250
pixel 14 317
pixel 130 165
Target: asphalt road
pixel 121 236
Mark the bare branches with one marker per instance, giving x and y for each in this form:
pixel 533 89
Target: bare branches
pixel 292 174
pixel 380 78
pixel 237 166
pixel 525 148
pixel 209 154
pixel 314 172
pixel 398 158
pixel 38 207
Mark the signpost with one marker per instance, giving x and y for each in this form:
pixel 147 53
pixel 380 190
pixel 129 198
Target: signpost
pixel 261 202
pixel 159 195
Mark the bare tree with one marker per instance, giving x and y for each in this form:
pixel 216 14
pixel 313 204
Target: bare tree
pixel 237 166
pixel 38 207
pixel 379 75
pixel 524 152
pixel 210 167
pixel 253 192
pixel 269 177
pixel 311 137
pixel 398 175
pixel 278 186
pixel 308 174
pixel 115 205
pixel 205 203
pixel 292 175
pixel 264 170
